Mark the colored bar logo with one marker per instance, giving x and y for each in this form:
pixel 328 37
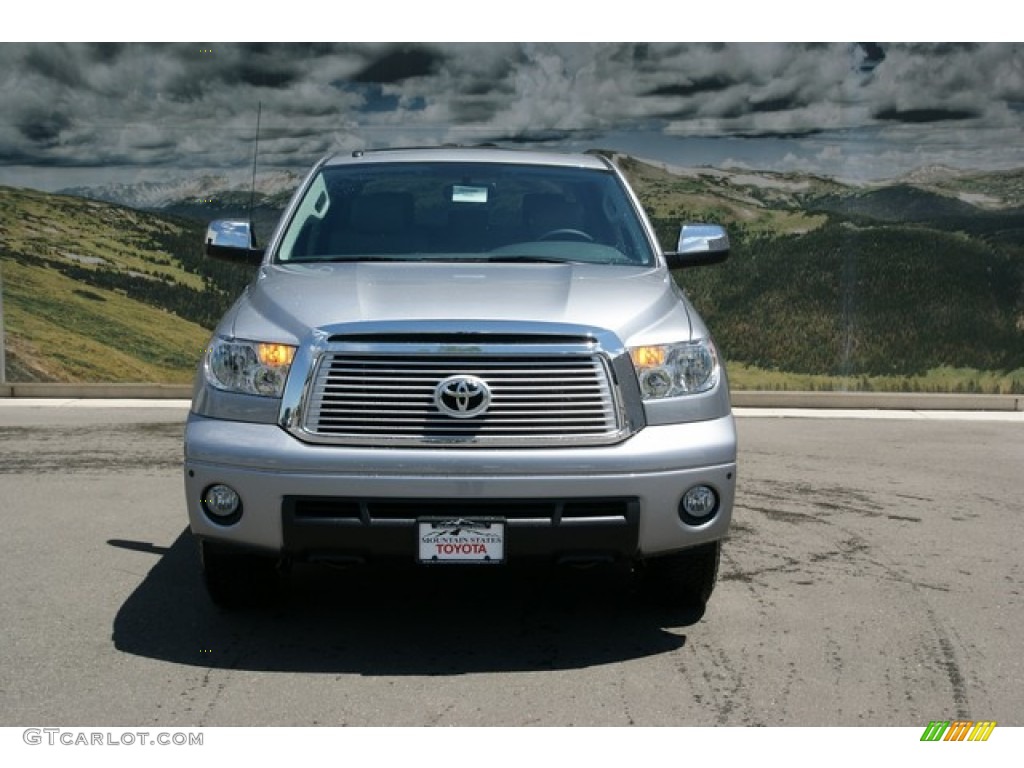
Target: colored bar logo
pixel 958 730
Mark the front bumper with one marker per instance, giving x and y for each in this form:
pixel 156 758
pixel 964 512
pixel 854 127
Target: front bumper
pixel 644 477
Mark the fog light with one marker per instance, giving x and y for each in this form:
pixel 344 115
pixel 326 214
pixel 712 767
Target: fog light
pixel 698 504
pixel 222 504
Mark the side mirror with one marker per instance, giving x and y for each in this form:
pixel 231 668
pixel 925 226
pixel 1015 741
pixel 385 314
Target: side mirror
pixel 699 244
pixel 233 241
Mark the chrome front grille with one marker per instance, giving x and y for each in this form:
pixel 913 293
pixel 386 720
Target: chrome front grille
pixel 369 396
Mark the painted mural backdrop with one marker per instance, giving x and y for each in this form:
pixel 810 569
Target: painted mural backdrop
pixel 874 191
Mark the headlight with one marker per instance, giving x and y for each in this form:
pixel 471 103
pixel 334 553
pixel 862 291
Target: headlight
pixel 249 367
pixel 670 370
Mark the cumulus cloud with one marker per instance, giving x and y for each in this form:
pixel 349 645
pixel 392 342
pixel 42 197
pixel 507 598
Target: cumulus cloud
pixel 193 106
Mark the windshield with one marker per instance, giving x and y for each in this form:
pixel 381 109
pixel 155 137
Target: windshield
pixel 449 211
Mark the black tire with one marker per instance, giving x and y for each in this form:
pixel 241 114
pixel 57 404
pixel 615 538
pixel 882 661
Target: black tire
pixel 238 579
pixel 683 579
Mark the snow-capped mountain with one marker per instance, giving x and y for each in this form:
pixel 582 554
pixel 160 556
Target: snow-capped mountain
pixel 156 195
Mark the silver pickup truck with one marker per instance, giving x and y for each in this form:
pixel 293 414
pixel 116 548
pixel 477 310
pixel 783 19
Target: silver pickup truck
pixel 462 357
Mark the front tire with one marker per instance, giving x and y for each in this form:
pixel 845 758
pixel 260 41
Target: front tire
pixel 236 578
pixel 683 579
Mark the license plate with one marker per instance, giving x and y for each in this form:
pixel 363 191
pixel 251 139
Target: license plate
pixel 457 540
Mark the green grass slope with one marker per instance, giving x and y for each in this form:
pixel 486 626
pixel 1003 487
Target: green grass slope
pixel 98 292
pixel 762 203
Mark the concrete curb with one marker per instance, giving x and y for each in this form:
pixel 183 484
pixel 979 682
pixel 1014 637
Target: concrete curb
pixel 900 401
pixel 894 401
pixel 99 391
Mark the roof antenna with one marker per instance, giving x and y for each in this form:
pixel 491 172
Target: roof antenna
pixel 252 191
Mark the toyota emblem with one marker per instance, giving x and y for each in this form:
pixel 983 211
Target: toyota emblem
pixel 462 397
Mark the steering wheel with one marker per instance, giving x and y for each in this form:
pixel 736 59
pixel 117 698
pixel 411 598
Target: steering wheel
pixel 566 234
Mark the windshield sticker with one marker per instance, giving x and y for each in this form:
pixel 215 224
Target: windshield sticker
pixel 464 194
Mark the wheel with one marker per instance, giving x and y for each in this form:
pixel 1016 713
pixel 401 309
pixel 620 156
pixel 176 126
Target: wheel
pixel 566 234
pixel 235 578
pixel 682 579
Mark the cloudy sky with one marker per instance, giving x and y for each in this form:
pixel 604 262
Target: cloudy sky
pixel 75 114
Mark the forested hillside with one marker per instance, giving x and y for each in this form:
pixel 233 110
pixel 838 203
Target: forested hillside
pixel 873 287
pixel 845 282
pixel 883 300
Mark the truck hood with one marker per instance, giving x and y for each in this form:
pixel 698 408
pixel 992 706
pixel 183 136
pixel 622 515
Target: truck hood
pixel 638 304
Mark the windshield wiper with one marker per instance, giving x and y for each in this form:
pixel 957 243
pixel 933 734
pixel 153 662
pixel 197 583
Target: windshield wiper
pixel 526 259
pixel 347 259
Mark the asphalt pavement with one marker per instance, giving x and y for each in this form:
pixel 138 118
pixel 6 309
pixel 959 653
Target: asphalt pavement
pixel 873 577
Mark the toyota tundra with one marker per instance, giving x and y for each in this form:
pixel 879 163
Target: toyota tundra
pixel 462 358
